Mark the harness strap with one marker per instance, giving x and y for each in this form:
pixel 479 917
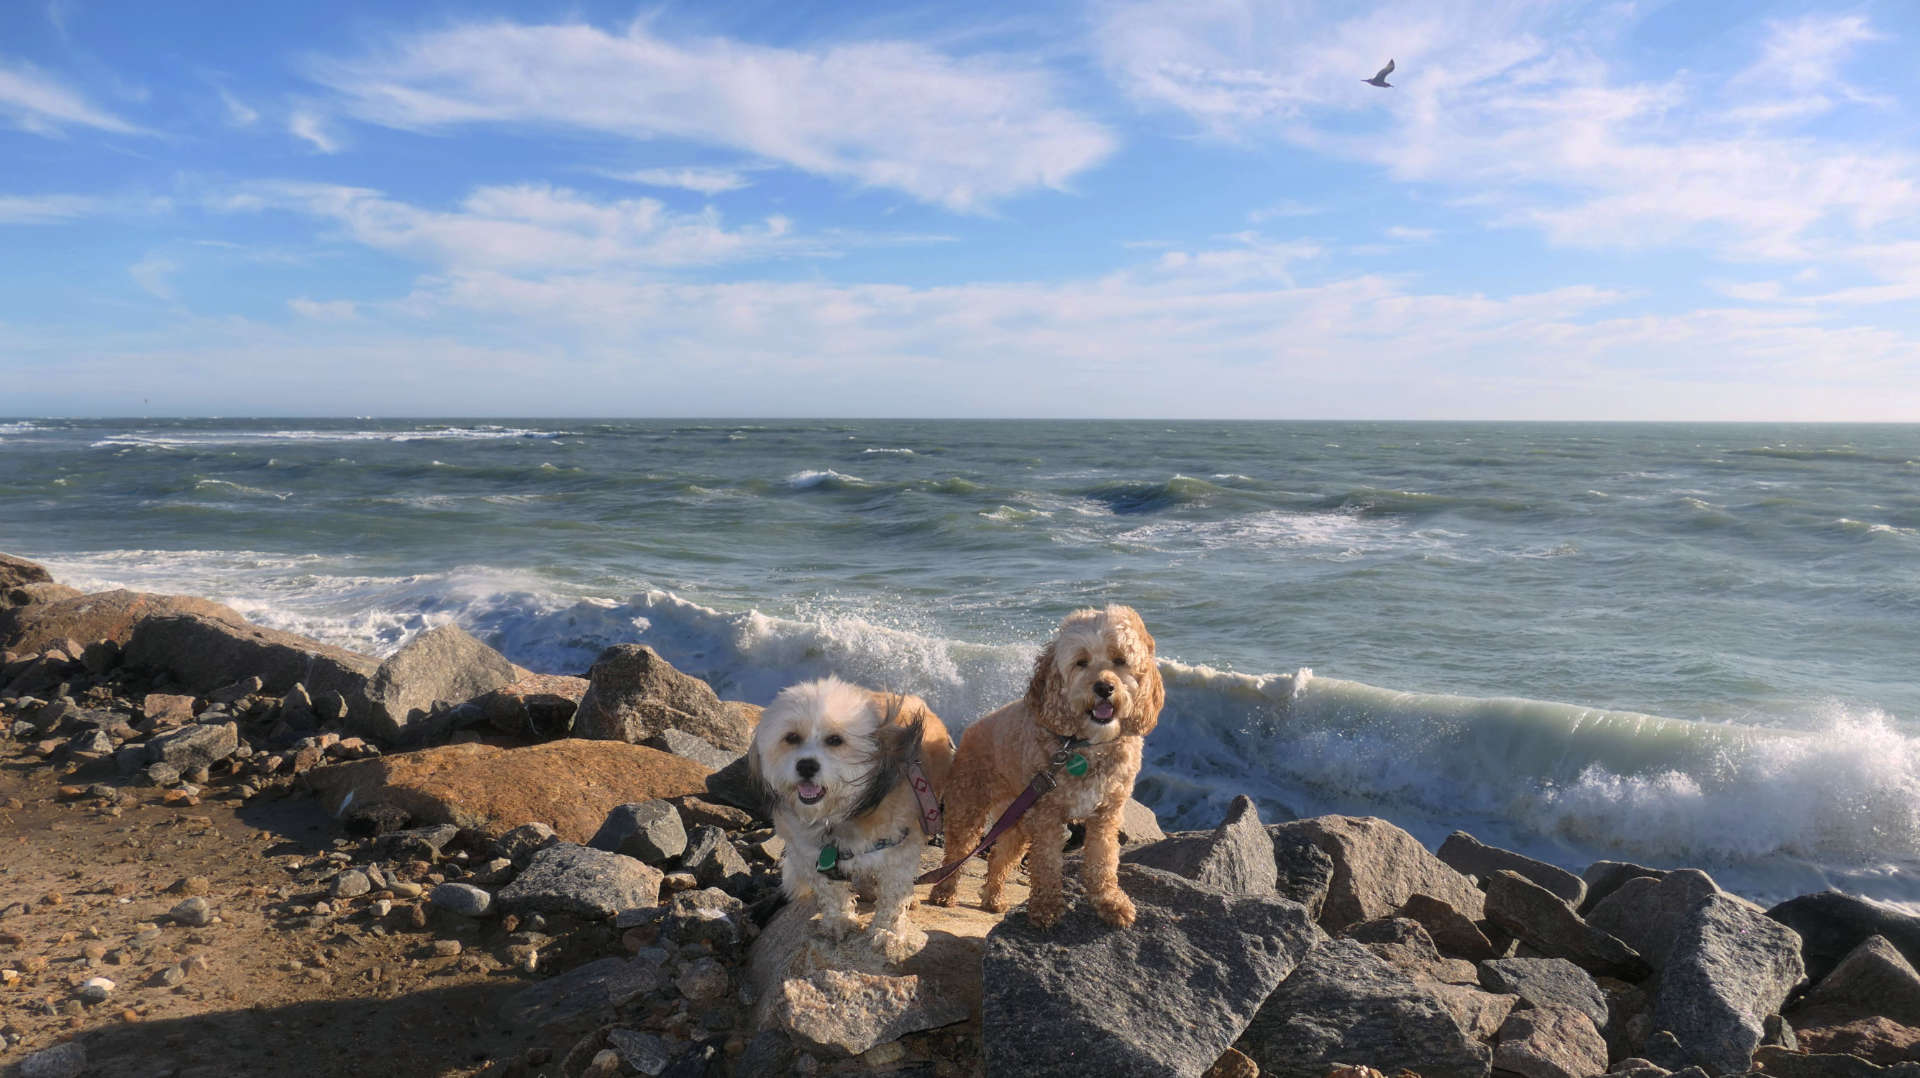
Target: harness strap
pixel 923 795
pixel 1042 782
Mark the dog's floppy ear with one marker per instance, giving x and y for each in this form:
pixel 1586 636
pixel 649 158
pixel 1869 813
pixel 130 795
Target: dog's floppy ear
pixel 1045 683
pixel 1153 693
pixel 763 794
pixel 893 750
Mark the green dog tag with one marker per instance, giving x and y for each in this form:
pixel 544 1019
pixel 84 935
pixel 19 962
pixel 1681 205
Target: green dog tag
pixel 830 856
pixel 1076 765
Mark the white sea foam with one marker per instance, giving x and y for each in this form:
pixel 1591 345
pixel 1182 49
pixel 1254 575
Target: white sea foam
pixel 808 480
pixel 894 452
pixel 189 439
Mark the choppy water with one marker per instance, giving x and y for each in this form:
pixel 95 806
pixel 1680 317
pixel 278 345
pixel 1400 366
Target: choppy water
pixel 1495 612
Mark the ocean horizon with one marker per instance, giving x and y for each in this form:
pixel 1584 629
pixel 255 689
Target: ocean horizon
pixel 1672 643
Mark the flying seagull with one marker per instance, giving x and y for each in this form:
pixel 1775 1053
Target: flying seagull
pixel 1381 78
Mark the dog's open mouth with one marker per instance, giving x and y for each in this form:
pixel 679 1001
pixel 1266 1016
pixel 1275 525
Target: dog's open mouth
pixel 1102 712
pixel 809 792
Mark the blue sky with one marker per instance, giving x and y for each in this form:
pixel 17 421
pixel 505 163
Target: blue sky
pixel 1559 211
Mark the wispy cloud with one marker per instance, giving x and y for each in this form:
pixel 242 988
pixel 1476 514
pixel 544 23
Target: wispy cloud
pixel 37 103
pixel 335 310
pixel 963 132
pixel 154 275
pixel 45 209
pixel 706 181
pixel 239 113
pixel 310 127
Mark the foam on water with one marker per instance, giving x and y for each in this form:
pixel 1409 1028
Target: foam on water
pixel 189 439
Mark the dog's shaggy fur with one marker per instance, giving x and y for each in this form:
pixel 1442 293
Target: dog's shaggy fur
pixel 1096 681
pixel 832 759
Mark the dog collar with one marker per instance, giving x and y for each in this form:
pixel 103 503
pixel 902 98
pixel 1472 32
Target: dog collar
pixel 831 857
pixel 1065 758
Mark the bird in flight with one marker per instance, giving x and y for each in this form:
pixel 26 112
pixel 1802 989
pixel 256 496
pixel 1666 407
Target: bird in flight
pixel 1381 78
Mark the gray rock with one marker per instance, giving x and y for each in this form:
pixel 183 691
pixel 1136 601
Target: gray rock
pixel 1783 1064
pixel 580 880
pixel 734 785
pixel 1605 877
pixel 92 742
pixel 583 992
pixel 462 898
pixel 687 746
pixel 1728 968
pixel 95 990
pixel 237 690
pixel 1344 1004
pixel 714 862
pixel 196 911
pixel 1406 946
pixel 1452 933
pixel 650 831
pixel 1376 866
pixel 67 1060
pixel 162 773
pixel 1550 1041
pixel 634 694
pixel 205 653
pixel 351 884
pixel 1542 981
pixel 411 694
pixel 199 745
pixel 1138 824
pixel 1303 871
pixel 706 916
pixel 1635 1067
pixel 523 841
pixel 643 1052
pixel 1644 912
pixel 1535 916
pixel 1235 857
pixel 1469 856
pixel 1876 979
pixel 1107 998
pixel 416 843
pixel 1831 925
pixel 1478 1013
pixel 704 981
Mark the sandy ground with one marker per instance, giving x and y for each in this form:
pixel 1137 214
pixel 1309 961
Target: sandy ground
pixel 85 887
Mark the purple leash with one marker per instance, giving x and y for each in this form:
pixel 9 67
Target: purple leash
pixel 1041 783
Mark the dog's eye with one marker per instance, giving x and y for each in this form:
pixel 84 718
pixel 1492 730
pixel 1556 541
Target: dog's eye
pixel 834 741
pixel 1119 660
pixel 1080 662
pixel 792 739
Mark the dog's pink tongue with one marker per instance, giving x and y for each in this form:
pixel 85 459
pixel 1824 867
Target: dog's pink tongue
pixel 1103 710
pixel 808 790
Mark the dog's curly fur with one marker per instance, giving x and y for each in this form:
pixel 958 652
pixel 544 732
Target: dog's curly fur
pixel 847 749
pixel 1000 754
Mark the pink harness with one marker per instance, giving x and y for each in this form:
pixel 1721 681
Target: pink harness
pixel 923 794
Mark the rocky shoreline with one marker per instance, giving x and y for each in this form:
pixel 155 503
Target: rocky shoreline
pixel 584 853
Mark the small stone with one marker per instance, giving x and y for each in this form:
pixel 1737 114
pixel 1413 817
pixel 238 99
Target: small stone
pixel 190 885
pixel 446 948
pixel 676 882
pixel 351 884
pixel 95 989
pixel 93 952
pixel 884 1055
pixel 605 1064
pixel 67 1060
pixel 644 1052
pixel 704 981
pixel 462 898
pixel 171 976
pixel 194 911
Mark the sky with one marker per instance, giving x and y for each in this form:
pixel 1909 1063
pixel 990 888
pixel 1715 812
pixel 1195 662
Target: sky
pixel 1622 210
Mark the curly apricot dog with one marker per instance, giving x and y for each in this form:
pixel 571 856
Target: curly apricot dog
pixel 1096 690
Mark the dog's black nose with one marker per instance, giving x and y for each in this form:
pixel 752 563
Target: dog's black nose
pixel 806 767
pixel 1103 689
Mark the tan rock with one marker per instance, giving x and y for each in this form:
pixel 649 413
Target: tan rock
pixel 206 653
pixel 1233 1064
pixel 569 785
pixel 167 709
pixel 633 694
pixel 407 696
pixel 106 615
pixel 534 705
pixel 845 997
pixel 1377 867
pixel 1874 1038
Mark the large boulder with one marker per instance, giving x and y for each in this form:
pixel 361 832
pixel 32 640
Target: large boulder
pixel 1831 925
pixel 570 785
pixel 649 831
pixel 1645 912
pixel 634 694
pixel 582 881
pixel 1469 856
pixel 1164 997
pixel 1728 969
pixel 198 745
pixel 1874 1038
pixel 1875 979
pixel 16 571
pixel 408 696
pixel 1542 981
pixel 1376 866
pixel 204 653
pixel 844 997
pixel 1344 1004
pixel 1551 1041
pixel 106 615
pixel 1536 917
pixel 582 994
pixel 1605 877
pixel 1451 931
pixel 1235 857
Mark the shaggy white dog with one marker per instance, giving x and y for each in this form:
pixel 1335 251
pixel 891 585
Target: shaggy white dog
pixel 839 764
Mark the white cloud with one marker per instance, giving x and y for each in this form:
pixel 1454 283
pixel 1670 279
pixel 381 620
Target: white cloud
pixel 529 228
pixel 310 127
pixel 154 275
pixel 1519 106
pixel 962 132
pixel 1407 234
pixel 38 104
pixel 239 113
pixel 706 181
pixel 336 310
pixel 45 209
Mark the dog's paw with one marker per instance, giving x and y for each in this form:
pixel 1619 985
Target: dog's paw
pixel 993 902
pixel 899 944
pixel 1114 908
pixel 1046 912
pixel 838 926
pixel 943 895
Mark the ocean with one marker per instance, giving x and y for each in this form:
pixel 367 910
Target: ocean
pixel 1674 644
